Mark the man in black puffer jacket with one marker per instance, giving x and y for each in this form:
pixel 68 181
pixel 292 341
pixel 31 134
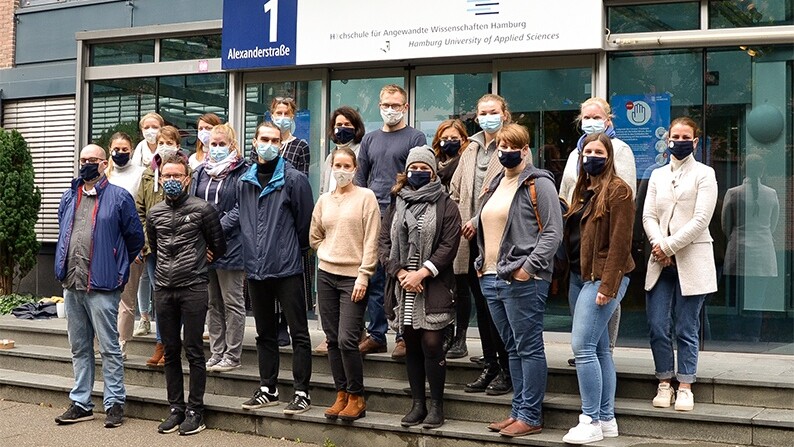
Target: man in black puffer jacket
pixel 185 235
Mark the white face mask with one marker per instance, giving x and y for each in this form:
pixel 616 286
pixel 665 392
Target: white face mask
pixel 390 116
pixel 343 178
pixel 204 136
pixel 593 125
pixel 166 151
pixel 150 135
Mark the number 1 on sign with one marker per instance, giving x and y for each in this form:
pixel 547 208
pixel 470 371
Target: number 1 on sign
pixel 271 6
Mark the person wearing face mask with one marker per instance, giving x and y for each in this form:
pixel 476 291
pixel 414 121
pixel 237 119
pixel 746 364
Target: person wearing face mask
pixel 448 143
pixel 150 193
pixel 185 236
pixel 273 212
pixel 419 238
pixel 345 129
pixel 204 126
pixel 344 232
pixel 121 172
pixel 381 157
pixel 293 149
pixel 681 272
pixel 598 237
pixel 99 237
pixel 595 116
pixel 476 169
pixel 215 180
pixel 518 232
pixel 149 126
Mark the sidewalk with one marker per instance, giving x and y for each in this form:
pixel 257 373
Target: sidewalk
pixel 28 425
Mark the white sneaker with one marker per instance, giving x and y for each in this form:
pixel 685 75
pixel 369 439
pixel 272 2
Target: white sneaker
pixel 224 366
pixel 685 400
pixel 144 328
pixel 610 428
pixel 212 362
pixel 123 346
pixel 665 395
pixel 584 433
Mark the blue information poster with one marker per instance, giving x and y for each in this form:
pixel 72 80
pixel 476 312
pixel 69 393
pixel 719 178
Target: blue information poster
pixel 642 122
pixel 259 33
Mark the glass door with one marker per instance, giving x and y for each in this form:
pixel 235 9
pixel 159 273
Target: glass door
pixel 360 89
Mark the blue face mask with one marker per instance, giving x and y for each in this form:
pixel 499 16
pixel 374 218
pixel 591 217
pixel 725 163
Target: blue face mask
pixel 172 187
pixel 592 125
pixel 594 165
pixel 218 153
pixel 267 151
pixel 490 123
pixel 284 123
pixel 418 179
pixel 344 135
pixel 509 159
pixel 681 149
pixel 450 147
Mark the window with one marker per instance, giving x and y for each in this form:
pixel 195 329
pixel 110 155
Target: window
pixel 133 52
pixel 745 13
pixel 657 17
pixel 196 47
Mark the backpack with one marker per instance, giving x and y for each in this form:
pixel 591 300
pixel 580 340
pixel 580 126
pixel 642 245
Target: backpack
pixel 560 257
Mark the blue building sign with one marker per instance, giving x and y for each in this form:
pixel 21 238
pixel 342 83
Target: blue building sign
pixel 641 121
pixel 259 33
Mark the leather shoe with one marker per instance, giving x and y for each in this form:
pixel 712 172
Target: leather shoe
pixel 520 428
pixel 500 425
pixel 370 346
pixel 399 350
pixel 572 362
pixel 500 385
pixel 486 377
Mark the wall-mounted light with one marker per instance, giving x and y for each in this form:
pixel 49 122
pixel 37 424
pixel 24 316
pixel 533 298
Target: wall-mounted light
pixel 767 35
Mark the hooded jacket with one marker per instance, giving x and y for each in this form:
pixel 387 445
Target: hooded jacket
pixel 523 244
pixel 274 221
pixel 116 235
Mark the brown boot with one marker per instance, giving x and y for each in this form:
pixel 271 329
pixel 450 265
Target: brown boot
pixel 159 349
pixel 338 406
pixel 399 350
pixel 356 408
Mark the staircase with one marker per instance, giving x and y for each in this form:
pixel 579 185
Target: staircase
pixel 741 399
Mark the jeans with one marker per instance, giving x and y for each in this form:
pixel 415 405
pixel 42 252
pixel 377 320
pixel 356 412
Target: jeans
pixel 595 369
pixel 575 283
pixel 178 307
pixel 289 293
pixel 94 313
pixel 342 322
pixel 226 313
pixel 145 288
pixel 377 325
pixel 666 308
pixel 517 308
pixel 493 349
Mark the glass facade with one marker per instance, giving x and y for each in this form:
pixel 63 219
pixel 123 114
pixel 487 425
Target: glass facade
pixel 194 47
pixel 655 17
pixel 133 52
pixel 746 13
pixel 363 94
pixel 441 97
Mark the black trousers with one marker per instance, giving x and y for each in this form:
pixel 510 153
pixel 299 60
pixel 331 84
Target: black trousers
pixel 175 307
pixel 288 292
pixel 493 348
pixel 342 321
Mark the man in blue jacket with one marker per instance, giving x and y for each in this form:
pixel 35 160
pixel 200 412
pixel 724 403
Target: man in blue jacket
pixel 274 213
pixel 99 236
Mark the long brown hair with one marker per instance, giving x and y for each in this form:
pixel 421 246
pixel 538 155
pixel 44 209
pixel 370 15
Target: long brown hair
pixel 599 183
pixel 451 123
pixel 209 118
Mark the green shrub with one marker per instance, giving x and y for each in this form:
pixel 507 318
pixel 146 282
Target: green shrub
pixel 9 302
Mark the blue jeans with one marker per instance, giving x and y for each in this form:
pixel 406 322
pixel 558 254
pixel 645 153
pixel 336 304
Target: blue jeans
pixel 89 314
pixel 377 325
pixel 145 289
pixel 590 343
pixel 666 306
pixel 575 283
pixel 517 309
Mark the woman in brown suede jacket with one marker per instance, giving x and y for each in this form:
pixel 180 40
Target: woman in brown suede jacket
pixel 597 235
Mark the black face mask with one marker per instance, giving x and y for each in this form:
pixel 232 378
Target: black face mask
pixel 418 179
pixel 344 135
pixel 594 165
pixel 121 158
pixel 681 149
pixel 450 147
pixel 89 172
pixel 509 159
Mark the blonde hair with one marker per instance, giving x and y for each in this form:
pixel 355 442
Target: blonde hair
pixel 492 97
pixel 394 88
pixel 600 102
pixel 228 133
pixel 155 116
pixel 117 136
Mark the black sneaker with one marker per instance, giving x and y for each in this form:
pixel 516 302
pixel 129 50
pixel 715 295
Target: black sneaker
pixel 74 414
pixel 300 403
pixel 114 416
pixel 194 423
pixel 262 398
pixel 171 424
pixel 500 385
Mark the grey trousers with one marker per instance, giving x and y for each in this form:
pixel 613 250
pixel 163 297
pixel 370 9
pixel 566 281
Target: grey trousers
pixel 226 313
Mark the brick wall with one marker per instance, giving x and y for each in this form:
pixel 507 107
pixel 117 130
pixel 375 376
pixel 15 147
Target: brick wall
pixel 8 27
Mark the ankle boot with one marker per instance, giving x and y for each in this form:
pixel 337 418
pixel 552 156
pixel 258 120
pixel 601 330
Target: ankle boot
pixel 159 350
pixel 435 416
pixel 416 415
pixel 459 348
pixel 339 405
pixel 488 374
pixel 356 408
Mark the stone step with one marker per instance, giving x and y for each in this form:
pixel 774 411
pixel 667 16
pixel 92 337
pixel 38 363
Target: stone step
pixel 375 430
pixel 709 422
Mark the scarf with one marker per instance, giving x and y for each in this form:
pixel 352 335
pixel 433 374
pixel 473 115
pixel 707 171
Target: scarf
pixel 219 170
pixel 609 131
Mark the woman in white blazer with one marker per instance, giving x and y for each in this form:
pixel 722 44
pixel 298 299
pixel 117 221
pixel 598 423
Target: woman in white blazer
pixel 681 271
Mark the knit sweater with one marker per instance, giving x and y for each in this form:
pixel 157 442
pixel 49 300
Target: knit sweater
pixel 127 176
pixel 344 232
pixel 142 155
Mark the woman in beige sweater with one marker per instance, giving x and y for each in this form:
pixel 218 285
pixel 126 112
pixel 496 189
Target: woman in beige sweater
pixel 344 232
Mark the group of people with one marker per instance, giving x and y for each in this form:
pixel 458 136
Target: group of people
pixel 405 234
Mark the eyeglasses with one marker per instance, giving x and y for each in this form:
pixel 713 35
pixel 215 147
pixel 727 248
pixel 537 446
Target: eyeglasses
pixel 385 106
pixel 92 160
pixel 173 176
